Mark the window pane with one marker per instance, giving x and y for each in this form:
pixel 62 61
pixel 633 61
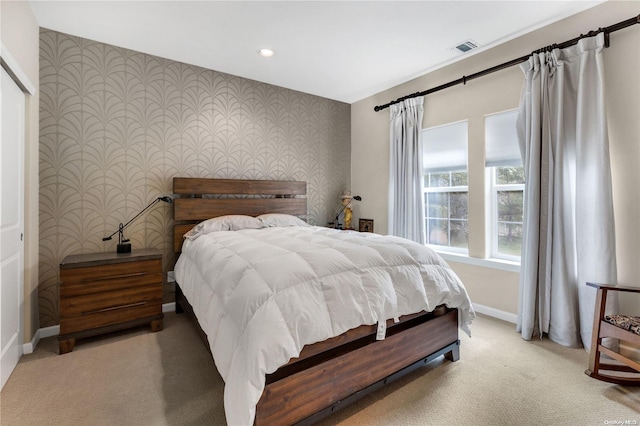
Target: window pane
pixel 510 238
pixel 459 205
pixel 445 179
pixel 510 218
pixel 510 206
pixel 459 179
pixel 439 180
pixel 438 232
pixel 506 175
pixel 438 205
pixel 459 234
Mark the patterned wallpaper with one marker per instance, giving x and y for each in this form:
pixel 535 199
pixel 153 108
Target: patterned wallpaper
pixel 117 125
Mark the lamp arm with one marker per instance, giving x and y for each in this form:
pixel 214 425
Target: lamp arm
pixel 151 204
pixel 343 209
pixel 122 227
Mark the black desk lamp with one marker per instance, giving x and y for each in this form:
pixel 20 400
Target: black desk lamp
pixel 124 246
pixel 337 220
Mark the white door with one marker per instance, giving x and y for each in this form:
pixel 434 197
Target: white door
pixel 12 143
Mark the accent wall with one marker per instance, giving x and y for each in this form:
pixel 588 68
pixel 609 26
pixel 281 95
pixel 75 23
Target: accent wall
pixel 117 125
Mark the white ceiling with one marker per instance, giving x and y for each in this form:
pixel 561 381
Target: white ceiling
pixel 341 50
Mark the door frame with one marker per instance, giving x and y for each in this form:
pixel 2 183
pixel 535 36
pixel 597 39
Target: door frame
pixel 12 67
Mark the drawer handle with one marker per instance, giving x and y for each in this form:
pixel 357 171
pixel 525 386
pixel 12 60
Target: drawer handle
pixel 114 277
pixel 114 308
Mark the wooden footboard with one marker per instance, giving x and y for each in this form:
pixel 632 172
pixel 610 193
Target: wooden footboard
pixel 330 375
pixel 354 367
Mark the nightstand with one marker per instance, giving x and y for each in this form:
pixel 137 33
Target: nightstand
pixel 104 292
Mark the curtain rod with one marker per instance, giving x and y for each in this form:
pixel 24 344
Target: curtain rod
pixel 464 79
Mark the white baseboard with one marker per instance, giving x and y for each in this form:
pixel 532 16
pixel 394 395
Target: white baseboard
pixel 496 313
pixel 54 330
pixel 41 333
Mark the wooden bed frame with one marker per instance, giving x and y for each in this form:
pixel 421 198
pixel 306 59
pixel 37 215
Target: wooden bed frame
pixel 331 374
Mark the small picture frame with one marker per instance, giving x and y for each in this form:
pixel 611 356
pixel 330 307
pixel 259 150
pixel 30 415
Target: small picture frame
pixel 365 225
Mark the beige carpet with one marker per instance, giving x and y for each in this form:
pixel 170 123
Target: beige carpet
pixel 168 378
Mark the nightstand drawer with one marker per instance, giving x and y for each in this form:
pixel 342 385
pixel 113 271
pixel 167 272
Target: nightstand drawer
pixel 96 303
pixel 115 316
pixel 81 281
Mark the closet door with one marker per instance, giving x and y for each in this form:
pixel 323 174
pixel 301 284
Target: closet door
pixel 11 225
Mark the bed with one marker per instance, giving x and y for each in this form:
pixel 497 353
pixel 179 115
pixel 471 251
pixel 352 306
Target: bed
pixel 278 373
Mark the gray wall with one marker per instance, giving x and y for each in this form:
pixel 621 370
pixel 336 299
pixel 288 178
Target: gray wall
pixel 117 125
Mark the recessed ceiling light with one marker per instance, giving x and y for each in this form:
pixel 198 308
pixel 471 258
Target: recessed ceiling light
pixel 265 53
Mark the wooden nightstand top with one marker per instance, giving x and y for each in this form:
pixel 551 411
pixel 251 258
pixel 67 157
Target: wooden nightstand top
pixel 98 259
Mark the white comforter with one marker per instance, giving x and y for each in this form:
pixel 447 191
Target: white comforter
pixel 262 294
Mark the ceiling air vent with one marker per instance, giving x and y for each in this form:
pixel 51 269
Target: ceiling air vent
pixel 466 46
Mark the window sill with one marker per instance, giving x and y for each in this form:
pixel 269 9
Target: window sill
pixel 504 265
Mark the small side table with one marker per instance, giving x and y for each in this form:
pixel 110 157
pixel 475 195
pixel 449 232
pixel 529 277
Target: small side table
pixel 105 292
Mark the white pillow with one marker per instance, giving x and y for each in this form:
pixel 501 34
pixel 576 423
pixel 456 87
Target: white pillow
pixel 224 223
pixel 280 219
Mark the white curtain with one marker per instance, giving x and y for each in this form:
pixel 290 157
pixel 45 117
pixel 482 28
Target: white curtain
pixel 406 198
pixel 569 236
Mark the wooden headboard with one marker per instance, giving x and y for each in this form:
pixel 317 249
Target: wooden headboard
pixel 232 196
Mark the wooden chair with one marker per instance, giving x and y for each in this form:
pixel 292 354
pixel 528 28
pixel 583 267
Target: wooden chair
pixel 622 327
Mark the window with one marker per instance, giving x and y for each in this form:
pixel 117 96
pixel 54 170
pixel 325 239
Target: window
pixel 446 194
pixel 506 183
